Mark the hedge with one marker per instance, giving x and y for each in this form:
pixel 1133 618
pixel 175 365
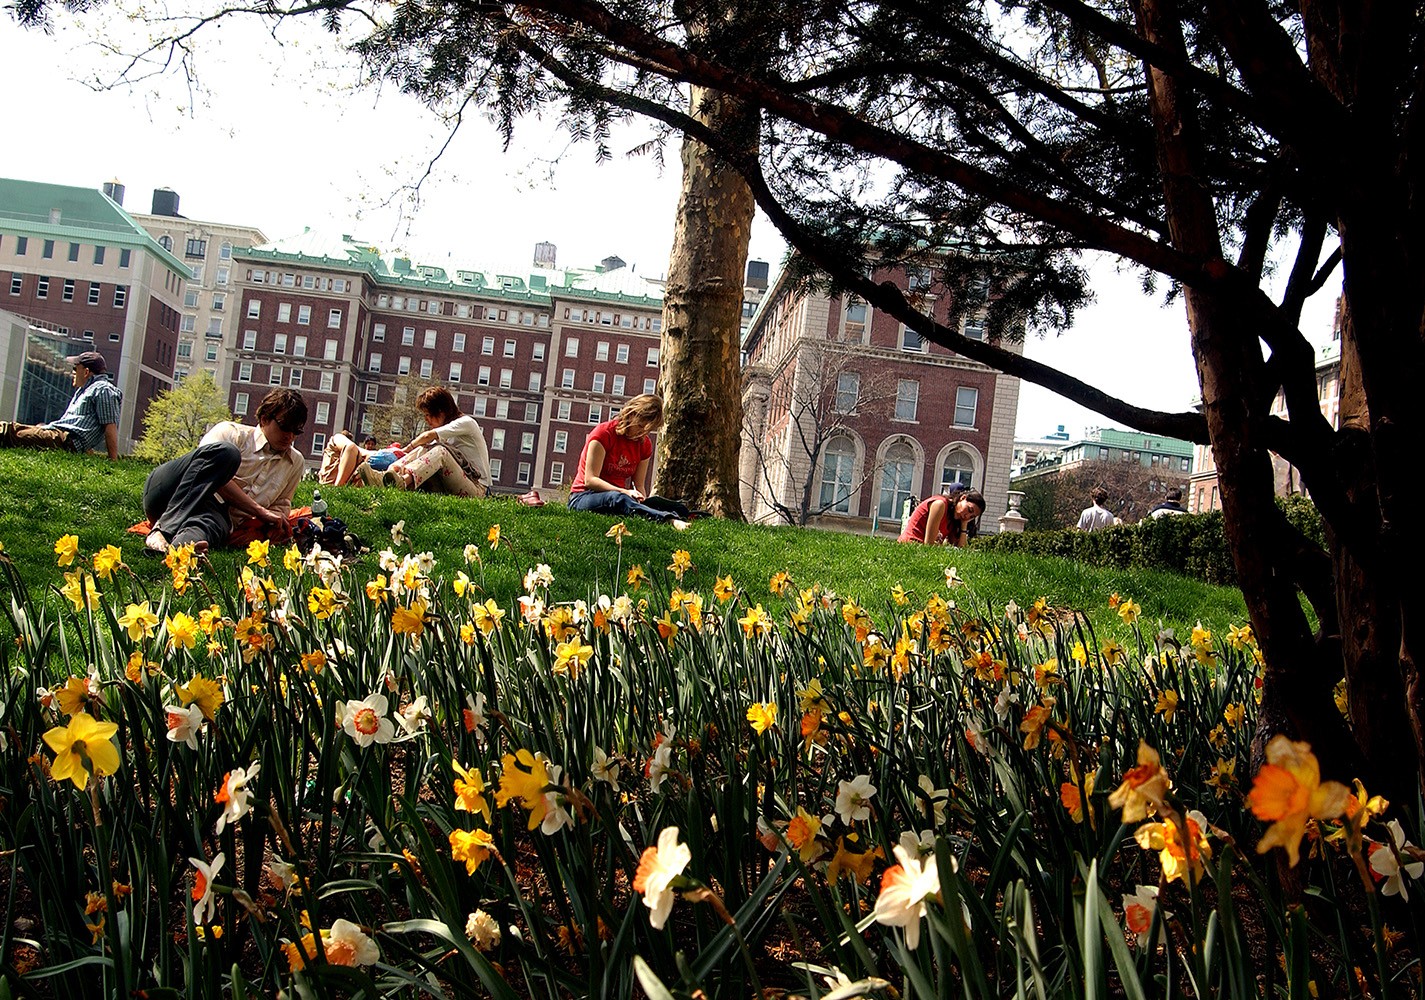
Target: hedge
pixel 1192 544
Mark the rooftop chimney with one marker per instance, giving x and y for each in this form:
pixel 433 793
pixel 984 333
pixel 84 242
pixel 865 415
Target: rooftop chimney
pixel 115 191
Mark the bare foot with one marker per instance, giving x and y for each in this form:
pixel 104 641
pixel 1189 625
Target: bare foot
pixel 155 542
pixel 679 524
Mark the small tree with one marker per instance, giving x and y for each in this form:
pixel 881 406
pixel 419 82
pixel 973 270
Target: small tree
pixel 178 419
pixel 1054 500
pixel 398 418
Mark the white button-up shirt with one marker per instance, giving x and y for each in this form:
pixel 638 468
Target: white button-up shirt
pixel 267 475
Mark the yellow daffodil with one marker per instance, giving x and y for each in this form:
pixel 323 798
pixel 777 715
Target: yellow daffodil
pixel 79 588
pixel 315 661
pixel 1288 790
pixel 487 616
pixel 762 715
pixel 292 559
pixel 321 602
pixel 1167 704
pixel 682 562
pixel 723 589
pixel 66 549
pixel 636 577
pixel 470 790
pixel 410 620
pixel 899 595
pixel 1129 611
pixel 139 621
pixel 1234 714
pixel 182 630
pixel 493 537
pixel 780 583
pixel 618 533
pixel 524 776
pixel 472 847
pixel 106 560
pixel 75 694
pixel 1143 787
pixel 756 622
pixel 1222 776
pixel 83 747
pixel 208 695
pixel 377 589
pixel 1112 653
pixel 811 696
pixel 257 552
pixel 570 657
pixel 1180 850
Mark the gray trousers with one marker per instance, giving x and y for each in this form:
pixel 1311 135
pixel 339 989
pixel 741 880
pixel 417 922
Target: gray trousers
pixel 178 495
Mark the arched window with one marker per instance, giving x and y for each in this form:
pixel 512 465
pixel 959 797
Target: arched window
pixel 166 242
pixel 836 465
pixel 225 252
pixel 897 476
pixel 958 470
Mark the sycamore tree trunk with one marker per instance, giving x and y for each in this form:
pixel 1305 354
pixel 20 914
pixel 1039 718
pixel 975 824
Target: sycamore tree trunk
pixel 702 315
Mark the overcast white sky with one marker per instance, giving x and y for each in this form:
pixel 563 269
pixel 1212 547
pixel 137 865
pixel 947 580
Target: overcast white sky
pixel 279 136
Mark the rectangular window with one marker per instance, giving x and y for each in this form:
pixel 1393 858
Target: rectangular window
pixel 911 341
pixel 509 348
pixel 309 281
pixel 219 301
pixel 274 375
pixel 98 254
pixel 328 380
pixel 497 439
pixel 487 346
pixel 522 479
pixel 368 423
pixel 848 390
pixel 330 350
pixel 565 407
pixel 319 443
pixel 1187 465
pixel 324 412
pixel 484 376
pixel 427 366
pixel 536 379
pixel 375 363
pixel 22 246
pixel 430 340
pixel 502 409
pixel 408 336
pixel 836 484
pixel 621 354
pixel 649 384
pixel 567 379
pixel 196 248
pixel 47 251
pixel 853 329
pixel 598 381
pixel 295 378
pixel 371 390
pixel 304 315
pixel 41 286
pixel 334 319
pixel 539 351
pixel 507 378
pixel 121 296
pixel 571 347
pixel 254 309
pixel 561 442
pixel 618 385
pixel 455 371
pixel 185 348
pixel 249 340
pixel 124 257
pixel 496 465
pixel 190 299
pixel 299 347
pixel 973 327
pixel 211 354
pixel 596 414
pixel 527 443
pixel 458 346
pixel 481 405
pixel 240 403
pixel 68 294
pixel 653 357
pixel 556 473
pixel 601 352
pixel 224 273
pixel 967 401
pixel 907 399
pixel 74 251
pixel 531 413
pixel 279 344
pixel 284 312
pixel 403 366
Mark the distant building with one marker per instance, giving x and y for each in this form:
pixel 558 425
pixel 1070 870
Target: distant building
pixel 75 264
pixel 538 358
pixel 1169 459
pixel 206 321
pixel 1203 491
pixel 545 255
pixel 899 418
pixel 754 287
pixel 1027 451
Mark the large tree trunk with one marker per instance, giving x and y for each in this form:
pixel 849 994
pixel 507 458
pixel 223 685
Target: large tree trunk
pixel 702 315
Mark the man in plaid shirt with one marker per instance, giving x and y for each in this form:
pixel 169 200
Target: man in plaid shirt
pixel 91 417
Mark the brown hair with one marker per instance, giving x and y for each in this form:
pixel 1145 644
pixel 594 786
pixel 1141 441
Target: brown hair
pixel 953 524
pixel 284 407
pixel 438 402
pixel 645 409
pixel 1099 495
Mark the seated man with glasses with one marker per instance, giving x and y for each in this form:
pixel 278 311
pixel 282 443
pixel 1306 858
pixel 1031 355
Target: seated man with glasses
pixel 240 478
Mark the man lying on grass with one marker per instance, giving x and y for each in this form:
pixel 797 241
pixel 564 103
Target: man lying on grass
pixel 237 485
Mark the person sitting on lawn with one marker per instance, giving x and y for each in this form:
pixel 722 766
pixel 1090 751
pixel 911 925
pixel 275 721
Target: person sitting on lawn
pixel 340 458
pixel 92 415
pixel 239 478
pixel 952 518
pixel 613 466
pixel 450 457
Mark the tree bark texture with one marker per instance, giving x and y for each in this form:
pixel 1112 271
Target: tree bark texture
pixel 702 315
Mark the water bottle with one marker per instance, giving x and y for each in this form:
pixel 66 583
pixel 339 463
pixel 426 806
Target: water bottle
pixel 319 506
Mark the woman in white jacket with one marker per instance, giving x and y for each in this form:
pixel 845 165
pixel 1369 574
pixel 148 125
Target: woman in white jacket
pixel 450 457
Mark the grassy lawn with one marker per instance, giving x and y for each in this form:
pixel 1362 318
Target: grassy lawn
pixel 50 494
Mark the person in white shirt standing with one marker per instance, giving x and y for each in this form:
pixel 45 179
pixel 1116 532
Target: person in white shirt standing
pixel 1098 516
pixel 237 474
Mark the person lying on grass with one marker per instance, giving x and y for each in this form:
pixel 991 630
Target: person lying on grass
pixel 236 486
pixel 613 466
pixel 952 518
pixel 450 457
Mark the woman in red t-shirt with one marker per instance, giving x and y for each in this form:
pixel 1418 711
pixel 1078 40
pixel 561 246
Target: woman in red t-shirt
pixel 951 518
pixel 613 467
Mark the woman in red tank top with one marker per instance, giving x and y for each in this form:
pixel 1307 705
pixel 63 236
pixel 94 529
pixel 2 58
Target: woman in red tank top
pixel 951 518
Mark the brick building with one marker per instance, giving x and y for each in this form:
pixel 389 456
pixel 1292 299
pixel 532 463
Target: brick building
pixel 537 357
pixel 847 408
pixel 206 321
pixel 74 263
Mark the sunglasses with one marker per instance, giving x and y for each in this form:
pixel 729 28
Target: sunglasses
pixel 290 428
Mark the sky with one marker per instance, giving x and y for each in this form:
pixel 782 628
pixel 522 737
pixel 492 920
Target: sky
pixel 279 133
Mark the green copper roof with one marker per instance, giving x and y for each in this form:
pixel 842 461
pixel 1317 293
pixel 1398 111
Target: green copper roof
pixel 621 287
pixel 76 215
pixel 1135 440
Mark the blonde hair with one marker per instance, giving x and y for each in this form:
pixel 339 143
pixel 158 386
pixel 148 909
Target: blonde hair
pixel 646 409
